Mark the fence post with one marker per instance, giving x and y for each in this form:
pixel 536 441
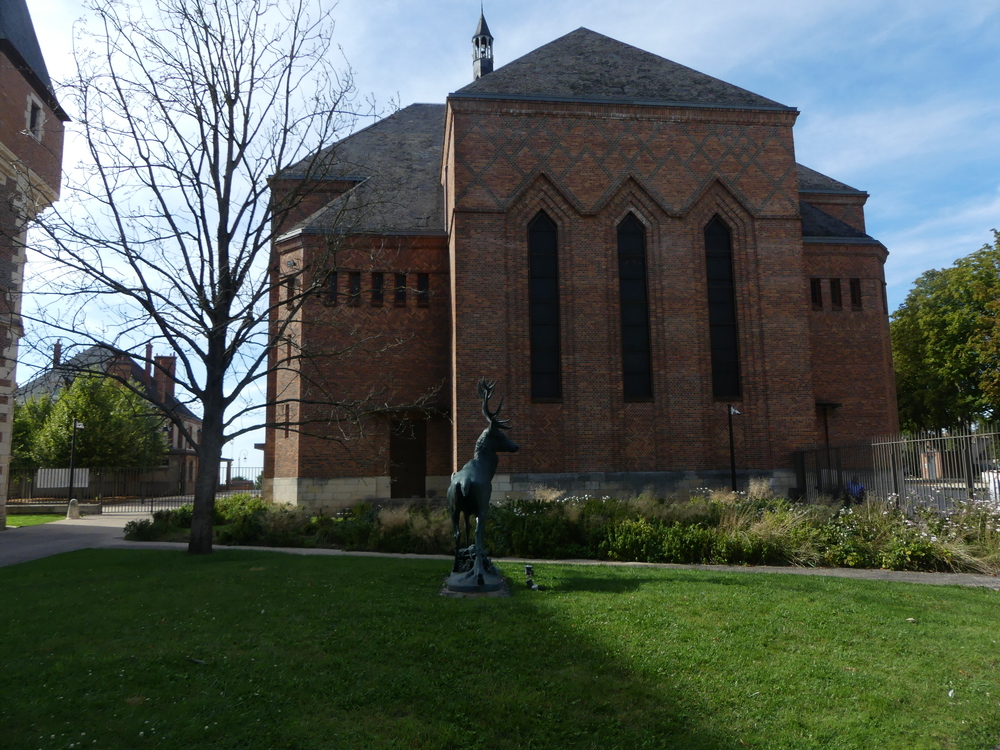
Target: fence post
pixel 970 482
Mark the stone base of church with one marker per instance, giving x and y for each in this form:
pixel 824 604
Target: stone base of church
pixel 341 492
pixel 634 482
pixel 331 495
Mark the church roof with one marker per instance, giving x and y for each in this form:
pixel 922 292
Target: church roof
pixel 811 181
pixel 397 165
pixel 19 43
pixel 587 66
pixel 819 226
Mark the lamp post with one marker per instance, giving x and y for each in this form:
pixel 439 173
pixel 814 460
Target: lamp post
pixel 732 446
pixel 72 458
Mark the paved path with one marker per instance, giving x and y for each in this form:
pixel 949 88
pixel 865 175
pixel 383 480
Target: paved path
pixel 105 531
pixel 33 542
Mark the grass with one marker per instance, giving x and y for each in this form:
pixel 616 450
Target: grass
pixel 265 650
pixel 18 520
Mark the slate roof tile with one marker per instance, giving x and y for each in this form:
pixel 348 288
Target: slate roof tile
pixel 397 165
pixel 585 65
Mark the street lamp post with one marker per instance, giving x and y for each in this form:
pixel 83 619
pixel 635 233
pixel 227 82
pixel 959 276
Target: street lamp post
pixel 732 446
pixel 72 458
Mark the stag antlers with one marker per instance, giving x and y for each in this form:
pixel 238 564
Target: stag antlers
pixel 486 389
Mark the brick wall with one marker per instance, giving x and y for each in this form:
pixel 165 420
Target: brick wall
pixel 29 181
pixel 587 166
pixel 391 359
pixel 852 354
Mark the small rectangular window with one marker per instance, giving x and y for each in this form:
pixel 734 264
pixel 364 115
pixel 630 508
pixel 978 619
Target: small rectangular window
pixel 378 289
pixel 855 294
pixel 885 300
pixel 290 292
pixel 836 301
pixel 35 121
pixel 816 290
pixel 354 288
pixel 330 293
pixel 400 298
pixel 287 419
pixel 423 289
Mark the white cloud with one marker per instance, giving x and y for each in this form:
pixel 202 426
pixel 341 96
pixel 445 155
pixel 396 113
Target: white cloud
pixel 938 241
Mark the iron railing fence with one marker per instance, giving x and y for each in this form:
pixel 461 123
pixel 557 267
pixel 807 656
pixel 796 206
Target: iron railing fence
pixel 123 490
pixel 923 469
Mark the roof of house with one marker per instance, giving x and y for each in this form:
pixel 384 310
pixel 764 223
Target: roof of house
pixel 586 66
pixel 19 43
pixel 94 359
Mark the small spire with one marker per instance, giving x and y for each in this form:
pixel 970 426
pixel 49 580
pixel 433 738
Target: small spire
pixel 482 48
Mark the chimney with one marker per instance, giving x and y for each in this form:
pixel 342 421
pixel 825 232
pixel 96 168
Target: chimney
pixel 163 378
pixel 482 49
pixel 57 354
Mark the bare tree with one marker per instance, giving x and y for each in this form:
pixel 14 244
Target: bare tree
pixel 188 108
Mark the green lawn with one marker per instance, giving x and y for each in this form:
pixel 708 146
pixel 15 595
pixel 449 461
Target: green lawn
pixel 18 520
pixel 265 650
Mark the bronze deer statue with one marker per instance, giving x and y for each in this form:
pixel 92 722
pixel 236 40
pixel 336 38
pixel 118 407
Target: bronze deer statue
pixel 471 487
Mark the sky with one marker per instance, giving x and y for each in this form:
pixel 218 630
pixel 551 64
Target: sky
pixel 900 99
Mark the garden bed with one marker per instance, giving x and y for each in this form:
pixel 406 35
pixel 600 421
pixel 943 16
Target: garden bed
pixel 752 528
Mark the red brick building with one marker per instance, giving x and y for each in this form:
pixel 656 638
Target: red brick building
pixel 31 141
pixel 626 245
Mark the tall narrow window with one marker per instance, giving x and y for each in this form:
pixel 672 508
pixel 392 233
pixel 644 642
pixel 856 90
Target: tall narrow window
pixel 816 291
pixel 378 289
pixel 723 333
pixel 855 294
pixel 836 298
pixel 35 121
pixel 636 369
pixel 400 297
pixel 354 288
pixel 423 289
pixel 543 309
pixel 290 292
pixel 330 293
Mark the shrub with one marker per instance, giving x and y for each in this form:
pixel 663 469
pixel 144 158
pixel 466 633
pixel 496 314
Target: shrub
pixel 245 528
pixel 144 530
pixel 230 507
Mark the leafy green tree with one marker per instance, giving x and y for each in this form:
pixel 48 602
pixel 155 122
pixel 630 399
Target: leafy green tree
pixel 29 418
pixel 944 341
pixel 119 428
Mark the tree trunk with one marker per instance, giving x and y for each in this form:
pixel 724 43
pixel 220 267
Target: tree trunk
pixel 207 479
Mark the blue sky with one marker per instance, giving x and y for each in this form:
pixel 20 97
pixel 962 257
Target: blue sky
pixel 900 99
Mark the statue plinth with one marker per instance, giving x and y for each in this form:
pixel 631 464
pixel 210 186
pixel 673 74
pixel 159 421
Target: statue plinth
pixel 464 578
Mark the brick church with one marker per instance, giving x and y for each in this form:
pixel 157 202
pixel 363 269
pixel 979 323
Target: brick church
pixel 626 245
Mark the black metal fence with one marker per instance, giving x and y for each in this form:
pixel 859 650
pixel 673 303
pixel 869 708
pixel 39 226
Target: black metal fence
pixel 122 490
pixel 928 469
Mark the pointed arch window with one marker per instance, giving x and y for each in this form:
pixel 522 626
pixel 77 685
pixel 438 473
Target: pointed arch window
pixel 636 357
pixel 722 324
pixel 543 272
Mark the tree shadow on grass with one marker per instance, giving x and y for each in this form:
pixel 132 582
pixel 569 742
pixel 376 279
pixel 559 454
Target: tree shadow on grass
pixel 267 650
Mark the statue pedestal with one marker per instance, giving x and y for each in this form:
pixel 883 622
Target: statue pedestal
pixel 468 582
pixel 465 581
